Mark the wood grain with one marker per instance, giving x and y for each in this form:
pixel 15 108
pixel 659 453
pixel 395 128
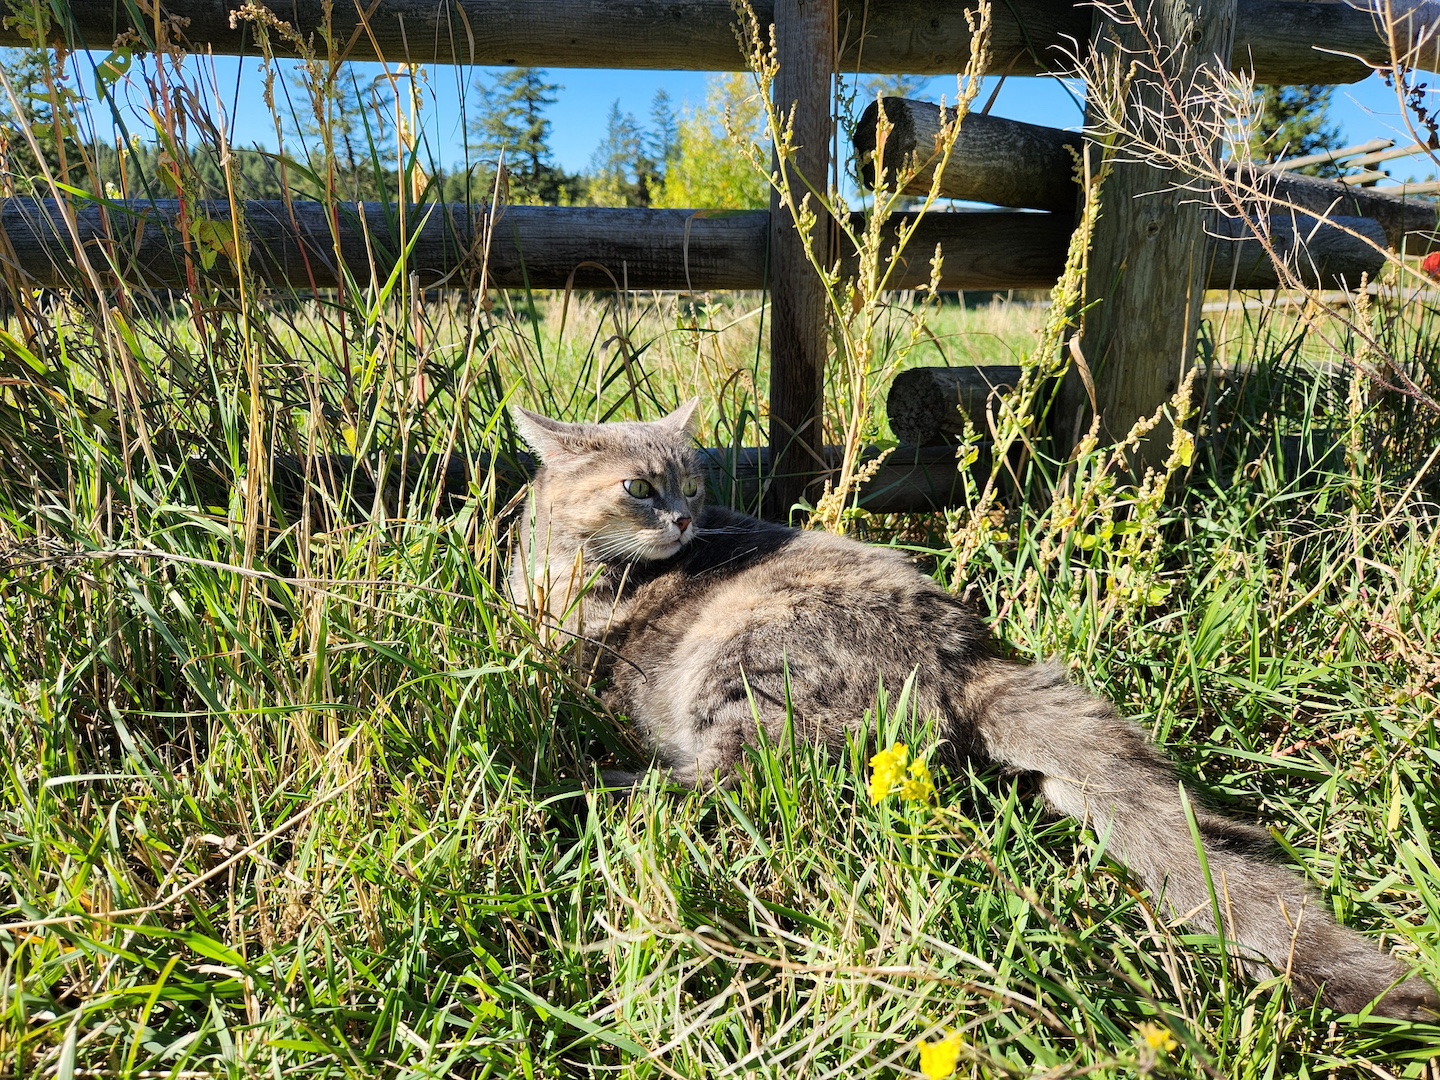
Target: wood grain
pixel 546 247
pixel 799 305
pixel 929 406
pixel 1147 269
pixel 1010 163
pixel 1282 40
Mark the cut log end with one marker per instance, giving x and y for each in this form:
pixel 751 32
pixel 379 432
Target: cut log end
pixel 929 406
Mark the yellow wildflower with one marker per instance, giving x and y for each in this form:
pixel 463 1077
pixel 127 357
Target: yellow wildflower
pixel 919 788
pixel 1155 1037
pixel 938 1059
pixel 887 768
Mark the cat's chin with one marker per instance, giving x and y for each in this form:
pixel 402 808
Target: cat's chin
pixel 660 550
pixel 665 549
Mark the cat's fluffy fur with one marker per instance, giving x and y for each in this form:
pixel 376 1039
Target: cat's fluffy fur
pixel 705 618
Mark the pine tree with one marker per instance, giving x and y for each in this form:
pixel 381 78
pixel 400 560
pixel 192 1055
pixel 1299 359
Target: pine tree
pixel 512 123
pixel 1290 122
pixel 663 139
pixel 29 75
pixel 619 168
pixel 360 119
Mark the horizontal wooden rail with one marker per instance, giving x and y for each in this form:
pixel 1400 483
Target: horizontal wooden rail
pixel 1282 41
pixel 337 489
pixel 1010 163
pixel 927 408
pixel 546 247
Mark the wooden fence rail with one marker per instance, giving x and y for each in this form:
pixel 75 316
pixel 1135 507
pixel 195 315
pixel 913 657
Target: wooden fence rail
pixel 1010 163
pixel 1156 249
pixel 545 247
pixel 1281 41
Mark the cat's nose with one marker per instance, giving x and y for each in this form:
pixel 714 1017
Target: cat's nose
pixel 682 524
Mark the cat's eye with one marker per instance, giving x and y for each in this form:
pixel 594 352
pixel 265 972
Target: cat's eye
pixel 639 489
pixel 690 488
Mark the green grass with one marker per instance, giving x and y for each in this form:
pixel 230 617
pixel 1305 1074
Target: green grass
pixel 305 796
pixel 317 802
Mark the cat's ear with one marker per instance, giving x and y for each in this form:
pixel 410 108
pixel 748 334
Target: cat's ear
pixel 682 420
pixel 548 438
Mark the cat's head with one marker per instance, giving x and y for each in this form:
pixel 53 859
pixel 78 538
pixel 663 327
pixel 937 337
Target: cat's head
pixel 623 492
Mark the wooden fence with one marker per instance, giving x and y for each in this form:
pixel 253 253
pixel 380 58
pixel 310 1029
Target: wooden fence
pixel 1164 248
pixel 587 248
pixel 1281 41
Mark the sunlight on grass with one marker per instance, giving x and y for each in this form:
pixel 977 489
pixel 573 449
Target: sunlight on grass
pixel 293 789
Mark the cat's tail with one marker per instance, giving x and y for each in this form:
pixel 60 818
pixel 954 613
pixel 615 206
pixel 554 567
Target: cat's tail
pixel 1102 770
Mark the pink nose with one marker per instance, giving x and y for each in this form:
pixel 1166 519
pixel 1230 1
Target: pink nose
pixel 682 524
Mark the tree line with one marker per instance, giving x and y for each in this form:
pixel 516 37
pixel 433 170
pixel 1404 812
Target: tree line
pixel 347 138
pixel 353 138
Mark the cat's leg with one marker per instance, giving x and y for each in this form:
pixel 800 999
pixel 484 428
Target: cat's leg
pixel 703 737
pixel 1101 769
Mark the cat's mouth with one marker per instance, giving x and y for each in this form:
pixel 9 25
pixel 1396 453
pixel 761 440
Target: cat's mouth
pixel 666 547
pixel 652 546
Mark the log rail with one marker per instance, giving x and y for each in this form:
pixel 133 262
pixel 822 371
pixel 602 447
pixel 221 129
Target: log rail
pixel 1280 41
pixel 291 245
pixel 294 245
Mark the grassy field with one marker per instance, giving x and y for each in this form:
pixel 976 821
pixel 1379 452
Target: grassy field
pixel 313 801
pixel 295 791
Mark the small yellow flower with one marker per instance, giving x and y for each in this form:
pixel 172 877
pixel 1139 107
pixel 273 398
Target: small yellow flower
pixel 887 769
pixel 1155 1038
pixel 938 1059
pixel 919 788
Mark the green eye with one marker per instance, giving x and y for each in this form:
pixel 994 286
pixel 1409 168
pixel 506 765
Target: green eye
pixel 639 489
pixel 690 488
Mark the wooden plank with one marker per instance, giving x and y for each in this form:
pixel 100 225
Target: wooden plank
pixel 1148 254
pixel 547 247
pixel 1331 157
pixel 1392 154
pixel 1013 164
pixel 1408 222
pixel 1285 41
pixel 1335 251
pixel 799 306
pixel 544 247
pixel 1005 162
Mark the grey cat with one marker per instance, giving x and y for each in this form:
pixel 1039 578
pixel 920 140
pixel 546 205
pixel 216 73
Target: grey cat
pixel 706 619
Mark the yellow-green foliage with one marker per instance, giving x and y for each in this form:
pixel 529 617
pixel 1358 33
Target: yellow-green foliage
pixel 707 171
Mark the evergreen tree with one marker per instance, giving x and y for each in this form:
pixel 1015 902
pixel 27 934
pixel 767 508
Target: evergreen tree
pixel 620 171
pixel 1291 122
pixel 512 122
pixel 662 141
pixel 360 118
pixel 29 73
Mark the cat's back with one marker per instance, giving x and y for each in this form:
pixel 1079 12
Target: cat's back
pixel 759 605
pixel 734 554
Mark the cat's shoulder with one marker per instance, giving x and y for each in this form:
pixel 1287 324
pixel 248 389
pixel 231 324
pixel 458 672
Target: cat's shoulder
pixel 728 533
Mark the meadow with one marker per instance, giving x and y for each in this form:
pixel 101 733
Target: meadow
pixel 297 791
pixel 308 798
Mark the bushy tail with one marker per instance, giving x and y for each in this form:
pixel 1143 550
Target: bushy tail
pixel 1101 769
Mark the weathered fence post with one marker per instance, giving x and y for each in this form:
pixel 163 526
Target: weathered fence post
pixel 805 40
pixel 1147 261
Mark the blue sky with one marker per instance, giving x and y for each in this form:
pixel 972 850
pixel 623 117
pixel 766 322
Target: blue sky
pixel 1364 111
